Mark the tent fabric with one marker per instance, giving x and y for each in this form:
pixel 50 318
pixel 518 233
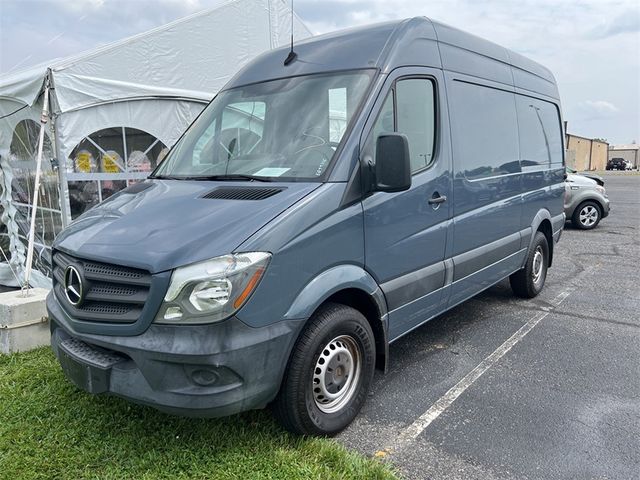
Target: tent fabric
pixel 156 82
pixel 23 87
pixel 140 114
pixel 15 181
pixel 190 58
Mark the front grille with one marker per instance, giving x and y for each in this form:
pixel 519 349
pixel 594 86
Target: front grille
pixel 111 293
pixel 111 289
pixel 112 270
pixel 107 308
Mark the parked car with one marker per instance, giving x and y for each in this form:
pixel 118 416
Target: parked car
pixel 585 202
pixel 597 178
pixel 273 259
pixel 617 164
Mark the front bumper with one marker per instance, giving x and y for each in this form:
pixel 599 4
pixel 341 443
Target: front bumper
pixel 200 370
pixel 606 207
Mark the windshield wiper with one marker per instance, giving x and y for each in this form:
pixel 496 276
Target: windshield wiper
pixel 165 177
pixel 229 177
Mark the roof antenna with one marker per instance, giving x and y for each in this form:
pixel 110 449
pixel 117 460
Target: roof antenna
pixel 292 55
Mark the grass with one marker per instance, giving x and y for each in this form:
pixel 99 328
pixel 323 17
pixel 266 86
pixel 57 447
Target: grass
pixel 50 429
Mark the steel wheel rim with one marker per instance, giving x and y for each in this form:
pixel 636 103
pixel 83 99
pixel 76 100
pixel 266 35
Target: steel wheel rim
pixel 538 262
pixel 336 374
pixel 588 215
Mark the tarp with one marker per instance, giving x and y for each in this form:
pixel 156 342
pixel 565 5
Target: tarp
pixel 155 83
pixel 191 57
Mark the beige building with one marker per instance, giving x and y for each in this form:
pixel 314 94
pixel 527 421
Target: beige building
pixel 629 153
pixel 586 153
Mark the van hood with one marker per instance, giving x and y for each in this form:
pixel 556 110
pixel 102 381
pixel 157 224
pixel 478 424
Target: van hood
pixel 163 224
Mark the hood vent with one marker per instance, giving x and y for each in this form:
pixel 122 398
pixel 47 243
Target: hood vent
pixel 242 193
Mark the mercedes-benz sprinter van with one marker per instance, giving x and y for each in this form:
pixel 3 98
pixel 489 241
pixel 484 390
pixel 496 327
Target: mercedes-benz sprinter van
pixel 323 205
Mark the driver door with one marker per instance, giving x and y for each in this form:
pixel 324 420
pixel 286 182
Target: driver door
pixel 406 232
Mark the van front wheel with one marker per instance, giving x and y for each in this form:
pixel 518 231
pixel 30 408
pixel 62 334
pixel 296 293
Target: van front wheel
pixel 329 373
pixel 528 282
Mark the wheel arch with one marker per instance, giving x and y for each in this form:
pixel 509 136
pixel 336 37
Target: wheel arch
pixel 584 197
pixel 547 230
pixel 542 222
pixel 348 285
pixel 589 199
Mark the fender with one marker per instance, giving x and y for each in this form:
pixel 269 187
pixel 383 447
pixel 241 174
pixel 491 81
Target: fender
pixel 333 280
pixel 542 214
pixel 528 233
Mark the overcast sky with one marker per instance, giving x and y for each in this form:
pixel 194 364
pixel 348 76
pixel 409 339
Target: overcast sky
pixel 592 46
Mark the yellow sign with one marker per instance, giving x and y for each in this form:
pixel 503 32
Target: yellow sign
pixel 84 162
pixel 111 161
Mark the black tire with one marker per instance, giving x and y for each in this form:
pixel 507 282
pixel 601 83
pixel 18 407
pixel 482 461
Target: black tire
pixel 298 404
pixel 525 283
pixel 587 215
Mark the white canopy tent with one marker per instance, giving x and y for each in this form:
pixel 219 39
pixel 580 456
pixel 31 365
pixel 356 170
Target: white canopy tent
pixel 114 112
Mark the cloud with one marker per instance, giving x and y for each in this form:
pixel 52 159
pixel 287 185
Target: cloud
pixel 598 108
pixel 81 5
pixel 627 22
pixel 590 45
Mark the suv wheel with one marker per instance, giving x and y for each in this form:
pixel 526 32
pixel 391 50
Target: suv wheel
pixel 329 373
pixel 587 215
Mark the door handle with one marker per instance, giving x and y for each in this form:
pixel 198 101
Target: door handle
pixel 437 199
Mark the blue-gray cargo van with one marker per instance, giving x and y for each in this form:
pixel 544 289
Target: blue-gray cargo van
pixel 323 205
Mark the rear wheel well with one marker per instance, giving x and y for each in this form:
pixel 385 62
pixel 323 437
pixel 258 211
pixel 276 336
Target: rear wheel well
pixel 547 230
pixel 592 200
pixel 365 304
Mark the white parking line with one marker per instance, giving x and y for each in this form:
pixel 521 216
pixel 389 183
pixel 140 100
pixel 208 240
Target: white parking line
pixel 422 422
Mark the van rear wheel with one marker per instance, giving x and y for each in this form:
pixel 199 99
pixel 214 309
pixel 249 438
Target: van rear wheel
pixel 329 373
pixel 528 282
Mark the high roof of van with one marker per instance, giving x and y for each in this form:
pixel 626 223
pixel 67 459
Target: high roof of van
pixel 416 41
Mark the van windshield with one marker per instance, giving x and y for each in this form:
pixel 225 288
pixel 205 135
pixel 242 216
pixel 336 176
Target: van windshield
pixel 286 129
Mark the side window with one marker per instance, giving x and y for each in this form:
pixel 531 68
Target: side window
pixel 539 131
pixel 414 116
pixel 385 121
pixel 485 132
pixel 384 124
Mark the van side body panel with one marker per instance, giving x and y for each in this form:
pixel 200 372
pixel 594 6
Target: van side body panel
pixel 487 193
pixel 313 237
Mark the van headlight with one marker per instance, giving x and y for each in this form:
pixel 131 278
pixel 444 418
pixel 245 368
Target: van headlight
pixel 212 290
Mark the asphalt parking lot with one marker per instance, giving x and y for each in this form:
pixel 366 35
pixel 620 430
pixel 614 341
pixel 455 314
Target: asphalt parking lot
pixel 502 388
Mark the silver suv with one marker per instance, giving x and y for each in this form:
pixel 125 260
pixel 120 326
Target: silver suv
pixel 585 202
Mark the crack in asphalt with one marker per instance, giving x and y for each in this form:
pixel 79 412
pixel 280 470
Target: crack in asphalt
pixel 595 319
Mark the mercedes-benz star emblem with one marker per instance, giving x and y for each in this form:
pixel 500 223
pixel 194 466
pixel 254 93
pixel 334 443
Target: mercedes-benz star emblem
pixel 73 285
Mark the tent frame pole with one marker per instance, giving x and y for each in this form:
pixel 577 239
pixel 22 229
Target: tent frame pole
pixel 44 118
pixel 63 184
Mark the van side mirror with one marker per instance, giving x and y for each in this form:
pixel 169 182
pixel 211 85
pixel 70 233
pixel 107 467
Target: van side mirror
pixel 393 166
